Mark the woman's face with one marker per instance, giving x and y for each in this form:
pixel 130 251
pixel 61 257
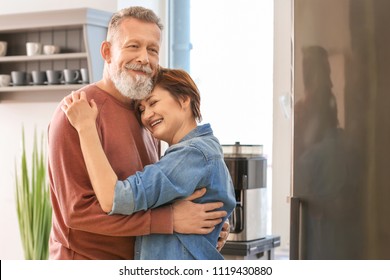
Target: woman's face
pixel 165 117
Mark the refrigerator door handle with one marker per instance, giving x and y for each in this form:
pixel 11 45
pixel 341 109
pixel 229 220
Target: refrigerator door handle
pixel 295 226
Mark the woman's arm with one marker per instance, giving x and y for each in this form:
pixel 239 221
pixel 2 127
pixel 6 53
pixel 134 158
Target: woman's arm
pixel 82 116
pixel 181 170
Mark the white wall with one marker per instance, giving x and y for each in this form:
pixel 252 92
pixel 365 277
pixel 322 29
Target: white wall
pixel 282 140
pixel 21 110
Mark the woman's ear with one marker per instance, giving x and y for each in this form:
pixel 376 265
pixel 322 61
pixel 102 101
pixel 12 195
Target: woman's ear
pixel 185 101
pixel 105 51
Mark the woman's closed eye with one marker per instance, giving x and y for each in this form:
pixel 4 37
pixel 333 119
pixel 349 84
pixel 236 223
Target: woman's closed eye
pixel 152 102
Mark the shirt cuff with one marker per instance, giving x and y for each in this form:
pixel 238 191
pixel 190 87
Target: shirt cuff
pixel 162 220
pixel 123 199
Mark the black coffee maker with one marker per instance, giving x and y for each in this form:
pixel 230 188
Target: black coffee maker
pixel 248 169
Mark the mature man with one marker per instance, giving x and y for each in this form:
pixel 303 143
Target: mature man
pixel 81 230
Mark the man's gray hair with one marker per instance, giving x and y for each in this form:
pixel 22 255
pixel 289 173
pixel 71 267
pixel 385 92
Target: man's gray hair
pixel 140 13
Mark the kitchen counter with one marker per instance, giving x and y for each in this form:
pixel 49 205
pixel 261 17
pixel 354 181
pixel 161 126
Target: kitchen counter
pixel 251 250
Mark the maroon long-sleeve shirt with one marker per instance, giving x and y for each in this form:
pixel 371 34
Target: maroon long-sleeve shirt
pixel 80 228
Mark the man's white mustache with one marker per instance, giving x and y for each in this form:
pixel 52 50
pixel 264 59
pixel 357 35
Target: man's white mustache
pixel 143 68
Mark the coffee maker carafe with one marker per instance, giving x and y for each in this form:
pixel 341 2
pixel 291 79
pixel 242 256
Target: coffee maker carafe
pixel 248 169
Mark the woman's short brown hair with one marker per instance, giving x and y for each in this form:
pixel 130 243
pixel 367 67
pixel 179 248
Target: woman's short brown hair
pixel 180 85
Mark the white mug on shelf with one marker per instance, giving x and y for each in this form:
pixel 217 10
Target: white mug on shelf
pixel 51 49
pixel 5 80
pixel 3 48
pixel 33 48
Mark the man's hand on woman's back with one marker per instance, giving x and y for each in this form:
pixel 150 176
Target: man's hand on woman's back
pixel 194 218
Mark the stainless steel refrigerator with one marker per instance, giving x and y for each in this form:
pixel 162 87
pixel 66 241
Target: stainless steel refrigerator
pixel 340 206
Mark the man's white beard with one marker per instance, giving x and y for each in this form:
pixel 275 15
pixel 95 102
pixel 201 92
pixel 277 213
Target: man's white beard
pixel 134 88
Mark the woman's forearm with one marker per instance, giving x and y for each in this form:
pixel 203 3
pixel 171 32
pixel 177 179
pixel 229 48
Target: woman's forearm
pixel 101 174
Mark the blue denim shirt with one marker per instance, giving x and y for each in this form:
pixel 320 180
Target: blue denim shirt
pixel 196 161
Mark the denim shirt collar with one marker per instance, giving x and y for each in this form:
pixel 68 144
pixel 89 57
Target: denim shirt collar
pixel 200 130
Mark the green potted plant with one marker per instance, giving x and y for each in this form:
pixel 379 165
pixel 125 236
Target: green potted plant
pixel 33 202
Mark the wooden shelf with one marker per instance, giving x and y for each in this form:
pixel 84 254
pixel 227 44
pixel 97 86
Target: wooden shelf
pixel 78 32
pixel 50 20
pixel 60 56
pixel 41 88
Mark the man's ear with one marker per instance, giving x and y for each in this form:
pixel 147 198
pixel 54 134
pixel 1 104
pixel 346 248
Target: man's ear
pixel 105 51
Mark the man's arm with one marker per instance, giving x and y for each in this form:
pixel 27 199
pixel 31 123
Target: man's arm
pixel 82 115
pixel 192 218
pixel 74 200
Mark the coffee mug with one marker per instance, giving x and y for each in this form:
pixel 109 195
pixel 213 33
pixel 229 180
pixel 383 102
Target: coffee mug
pixel 71 76
pixel 3 48
pixel 19 78
pixel 38 77
pixel 33 48
pixel 84 75
pixel 54 77
pixel 51 49
pixel 5 80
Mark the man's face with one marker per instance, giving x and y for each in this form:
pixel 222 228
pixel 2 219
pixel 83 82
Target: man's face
pixel 134 57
